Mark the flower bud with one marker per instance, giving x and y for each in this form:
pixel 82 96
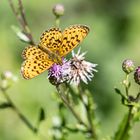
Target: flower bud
pixel 137 75
pixel 128 66
pixel 58 10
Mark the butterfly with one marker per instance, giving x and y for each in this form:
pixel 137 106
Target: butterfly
pixel 53 45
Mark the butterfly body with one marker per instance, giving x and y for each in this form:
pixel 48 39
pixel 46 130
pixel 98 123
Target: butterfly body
pixel 53 55
pixel 53 45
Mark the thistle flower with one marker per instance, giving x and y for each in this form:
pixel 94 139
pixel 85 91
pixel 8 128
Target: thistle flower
pixel 72 71
pixel 137 75
pixel 128 66
pixel 81 70
pixel 57 74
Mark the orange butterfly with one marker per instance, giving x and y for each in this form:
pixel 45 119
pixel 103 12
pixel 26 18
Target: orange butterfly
pixel 53 45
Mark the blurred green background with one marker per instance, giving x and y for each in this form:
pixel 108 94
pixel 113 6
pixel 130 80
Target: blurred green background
pixel 114 36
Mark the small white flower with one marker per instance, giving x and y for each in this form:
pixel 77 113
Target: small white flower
pixel 8 74
pixel 7 79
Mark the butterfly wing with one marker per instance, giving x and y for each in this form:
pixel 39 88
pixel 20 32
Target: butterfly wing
pixel 51 40
pixel 30 52
pixel 72 36
pixel 36 62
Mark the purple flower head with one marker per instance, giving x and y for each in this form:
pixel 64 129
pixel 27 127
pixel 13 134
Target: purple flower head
pixel 56 73
pixel 137 75
pixel 128 66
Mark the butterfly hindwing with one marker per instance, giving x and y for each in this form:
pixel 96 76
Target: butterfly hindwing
pixel 35 63
pixel 32 67
pixel 30 52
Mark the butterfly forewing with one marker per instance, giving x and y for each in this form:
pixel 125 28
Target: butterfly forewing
pixel 72 36
pixel 51 40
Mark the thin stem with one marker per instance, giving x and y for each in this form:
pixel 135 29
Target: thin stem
pixel 127 124
pixel 15 12
pixel 127 85
pixel 57 21
pixel 70 107
pixel 25 25
pixel 21 116
pixel 21 8
pixel 22 19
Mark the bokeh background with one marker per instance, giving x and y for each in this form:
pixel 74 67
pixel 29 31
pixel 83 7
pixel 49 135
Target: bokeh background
pixel 114 36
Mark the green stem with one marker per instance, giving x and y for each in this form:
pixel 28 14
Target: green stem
pixel 70 107
pixel 22 19
pixel 57 21
pixel 123 134
pixel 128 123
pixel 21 116
pixel 127 85
pixel 25 23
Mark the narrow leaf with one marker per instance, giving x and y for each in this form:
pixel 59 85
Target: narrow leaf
pixel 117 91
pixel 5 105
pixel 20 34
pixel 41 115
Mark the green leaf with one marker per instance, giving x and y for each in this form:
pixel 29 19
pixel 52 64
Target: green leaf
pixel 117 91
pixel 5 105
pixel 20 34
pixel 124 99
pixel 41 115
